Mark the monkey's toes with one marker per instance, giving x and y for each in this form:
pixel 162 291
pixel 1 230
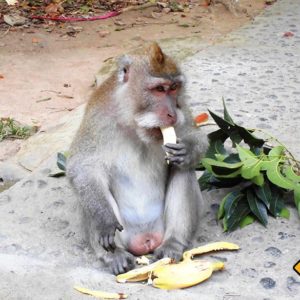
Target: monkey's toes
pixel 123 262
pixel 167 252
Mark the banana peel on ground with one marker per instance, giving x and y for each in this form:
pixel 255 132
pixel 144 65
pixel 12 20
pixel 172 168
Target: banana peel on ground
pixel 165 274
pixel 100 294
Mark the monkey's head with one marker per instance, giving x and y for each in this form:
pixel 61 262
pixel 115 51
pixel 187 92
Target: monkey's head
pixel 149 92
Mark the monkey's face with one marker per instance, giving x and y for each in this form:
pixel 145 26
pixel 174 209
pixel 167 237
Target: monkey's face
pixel 159 105
pixel 152 85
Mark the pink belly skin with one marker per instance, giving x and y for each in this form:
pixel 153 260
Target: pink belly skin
pixel 144 243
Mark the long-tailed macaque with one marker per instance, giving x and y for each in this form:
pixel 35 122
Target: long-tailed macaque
pixel 133 201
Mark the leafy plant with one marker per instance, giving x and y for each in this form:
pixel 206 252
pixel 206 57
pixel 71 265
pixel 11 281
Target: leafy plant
pixel 9 128
pixel 61 163
pixel 260 173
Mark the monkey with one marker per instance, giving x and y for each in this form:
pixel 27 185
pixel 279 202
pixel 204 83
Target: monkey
pixel 133 201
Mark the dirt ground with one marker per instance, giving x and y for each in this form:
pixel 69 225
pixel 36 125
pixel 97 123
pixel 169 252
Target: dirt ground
pixel 48 69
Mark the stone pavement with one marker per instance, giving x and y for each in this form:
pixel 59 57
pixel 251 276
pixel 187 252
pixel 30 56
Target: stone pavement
pixel 257 70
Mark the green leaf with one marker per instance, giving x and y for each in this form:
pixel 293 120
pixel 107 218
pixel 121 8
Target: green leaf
pixel 249 138
pixel 276 152
pixel 220 168
pixel 225 173
pixel 227 117
pixel 231 201
pixel 216 147
pixel 276 201
pixel 232 158
pixel 61 161
pixel 237 213
pixel 208 181
pixel 284 213
pixel 257 207
pixel 221 210
pixel 57 174
pixel 235 132
pixel 227 127
pixel 251 171
pixel 258 180
pixel 264 194
pixel 204 180
pixel 218 135
pixel 225 226
pixel 291 175
pixel 245 154
pixel 252 164
pixel 220 157
pixel 246 221
pixel 297 198
pixel 275 176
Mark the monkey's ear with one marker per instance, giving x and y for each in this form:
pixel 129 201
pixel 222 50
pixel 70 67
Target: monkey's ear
pixel 124 66
pixel 156 55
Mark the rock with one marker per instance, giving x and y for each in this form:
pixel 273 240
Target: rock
pixel 292 284
pixel 267 283
pixel 166 10
pixel 274 251
pixel 269 264
pixel 250 272
pixel 104 33
pixel 14 20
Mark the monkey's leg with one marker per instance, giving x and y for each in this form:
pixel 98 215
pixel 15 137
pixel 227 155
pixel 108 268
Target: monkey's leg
pixel 182 211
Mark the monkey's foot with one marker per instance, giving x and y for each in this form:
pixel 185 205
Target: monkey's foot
pixel 121 261
pixel 171 248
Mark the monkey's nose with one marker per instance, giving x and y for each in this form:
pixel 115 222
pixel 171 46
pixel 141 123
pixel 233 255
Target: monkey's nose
pixel 172 119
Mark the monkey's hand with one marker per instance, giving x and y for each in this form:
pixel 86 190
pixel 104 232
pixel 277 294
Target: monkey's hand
pixel 107 231
pixel 179 154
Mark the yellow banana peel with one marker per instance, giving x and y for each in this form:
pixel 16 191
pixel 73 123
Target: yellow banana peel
pixel 142 273
pixel 208 248
pixel 165 274
pixel 184 274
pixel 100 294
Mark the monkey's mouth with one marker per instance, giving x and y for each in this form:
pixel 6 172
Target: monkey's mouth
pixel 154 133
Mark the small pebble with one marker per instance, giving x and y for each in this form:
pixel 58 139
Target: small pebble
pixel 274 251
pixel 267 283
pixel 269 264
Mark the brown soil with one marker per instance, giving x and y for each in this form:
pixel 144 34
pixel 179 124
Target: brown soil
pixel 47 70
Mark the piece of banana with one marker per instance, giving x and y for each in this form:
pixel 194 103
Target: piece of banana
pixel 100 294
pixel 169 135
pixel 143 260
pixel 142 273
pixel 208 248
pixel 184 274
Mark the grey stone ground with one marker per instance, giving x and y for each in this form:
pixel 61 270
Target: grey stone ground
pixel 42 251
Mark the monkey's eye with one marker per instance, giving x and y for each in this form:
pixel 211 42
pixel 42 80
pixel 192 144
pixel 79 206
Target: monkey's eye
pixel 160 88
pixel 174 87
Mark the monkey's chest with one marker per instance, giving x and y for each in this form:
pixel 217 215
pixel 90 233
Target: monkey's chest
pixel 140 197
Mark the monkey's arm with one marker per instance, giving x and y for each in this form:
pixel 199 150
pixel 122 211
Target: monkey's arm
pixel 96 200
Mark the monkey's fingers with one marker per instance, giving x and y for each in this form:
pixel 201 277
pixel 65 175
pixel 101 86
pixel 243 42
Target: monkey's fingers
pixel 175 152
pixel 177 160
pixel 174 146
pixel 120 227
pixel 108 242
